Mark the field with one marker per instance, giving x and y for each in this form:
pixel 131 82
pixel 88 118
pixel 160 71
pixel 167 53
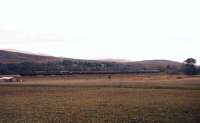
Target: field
pixel 120 98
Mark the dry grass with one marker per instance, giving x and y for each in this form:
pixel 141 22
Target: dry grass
pixel 98 99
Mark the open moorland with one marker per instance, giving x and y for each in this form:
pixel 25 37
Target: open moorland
pixel 101 98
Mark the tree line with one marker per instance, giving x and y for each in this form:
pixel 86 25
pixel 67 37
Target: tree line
pixel 85 66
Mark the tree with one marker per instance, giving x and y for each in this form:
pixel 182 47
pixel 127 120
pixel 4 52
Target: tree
pixel 190 61
pixel 190 66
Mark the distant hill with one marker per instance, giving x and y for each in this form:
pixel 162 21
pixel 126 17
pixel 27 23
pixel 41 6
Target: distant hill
pixel 147 63
pixel 159 63
pixel 18 57
pixel 33 63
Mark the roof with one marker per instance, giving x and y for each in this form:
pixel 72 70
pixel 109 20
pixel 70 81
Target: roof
pixel 9 76
pixel 6 78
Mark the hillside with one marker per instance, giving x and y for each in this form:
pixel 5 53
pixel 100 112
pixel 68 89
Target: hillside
pixel 39 64
pixel 149 64
pixel 160 63
pixel 18 57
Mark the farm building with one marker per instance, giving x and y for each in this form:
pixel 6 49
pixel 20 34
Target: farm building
pixel 14 78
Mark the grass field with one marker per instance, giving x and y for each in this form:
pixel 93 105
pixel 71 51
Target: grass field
pixel 121 98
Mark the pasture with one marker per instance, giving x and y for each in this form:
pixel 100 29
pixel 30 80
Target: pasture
pixel 101 98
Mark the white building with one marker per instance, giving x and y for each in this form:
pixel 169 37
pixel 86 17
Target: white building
pixel 10 78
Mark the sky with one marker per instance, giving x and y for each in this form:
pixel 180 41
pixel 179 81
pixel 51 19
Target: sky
pixel 102 29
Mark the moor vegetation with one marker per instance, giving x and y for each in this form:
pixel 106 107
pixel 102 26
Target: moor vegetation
pixel 124 98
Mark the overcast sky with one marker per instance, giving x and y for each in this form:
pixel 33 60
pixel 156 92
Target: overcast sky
pixel 101 29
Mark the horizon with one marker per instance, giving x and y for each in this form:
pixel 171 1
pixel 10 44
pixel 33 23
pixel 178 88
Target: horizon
pixel 95 30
